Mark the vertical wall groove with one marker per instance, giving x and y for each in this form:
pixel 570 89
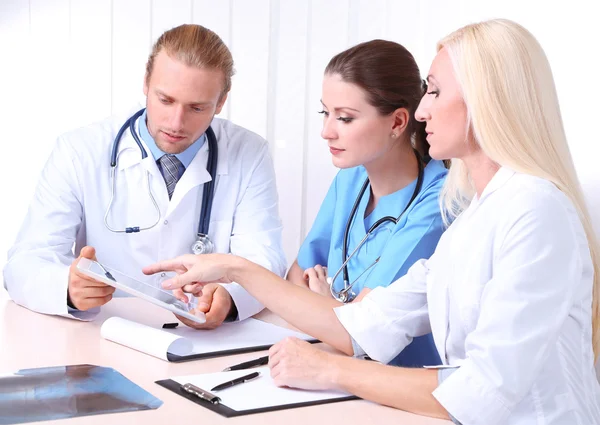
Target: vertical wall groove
pixel 150 3
pixel 230 32
pixel 112 56
pixel 272 71
pixel 303 215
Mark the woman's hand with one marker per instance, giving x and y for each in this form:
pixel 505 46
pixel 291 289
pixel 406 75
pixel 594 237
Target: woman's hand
pixel 317 280
pixel 297 364
pixel 194 271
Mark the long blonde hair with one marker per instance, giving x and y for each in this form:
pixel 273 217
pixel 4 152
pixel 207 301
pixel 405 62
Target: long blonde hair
pixel 515 118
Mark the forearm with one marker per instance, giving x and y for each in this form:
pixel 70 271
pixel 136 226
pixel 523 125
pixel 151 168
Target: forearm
pixel 37 283
pixel 296 275
pixel 310 312
pixel 402 388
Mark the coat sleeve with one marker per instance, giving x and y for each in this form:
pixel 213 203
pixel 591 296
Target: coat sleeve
pixel 388 318
pixel 36 274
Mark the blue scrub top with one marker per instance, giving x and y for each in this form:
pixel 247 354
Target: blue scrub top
pixel 399 246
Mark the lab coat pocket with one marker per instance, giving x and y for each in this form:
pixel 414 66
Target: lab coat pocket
pixel 220 233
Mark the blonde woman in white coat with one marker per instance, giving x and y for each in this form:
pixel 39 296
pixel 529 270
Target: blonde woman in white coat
pixel 511 292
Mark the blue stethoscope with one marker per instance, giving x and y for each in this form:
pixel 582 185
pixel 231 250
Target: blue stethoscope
pixel 203 244
pixel 346 294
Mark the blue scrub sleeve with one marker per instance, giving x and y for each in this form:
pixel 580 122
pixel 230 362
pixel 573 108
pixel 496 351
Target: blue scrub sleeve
pixel 315 248
pixel 416 240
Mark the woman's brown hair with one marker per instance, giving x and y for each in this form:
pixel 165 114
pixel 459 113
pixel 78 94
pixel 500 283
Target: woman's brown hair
pixel 390 77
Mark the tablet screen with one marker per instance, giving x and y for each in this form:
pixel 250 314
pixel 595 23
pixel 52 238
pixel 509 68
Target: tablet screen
pixel 125 282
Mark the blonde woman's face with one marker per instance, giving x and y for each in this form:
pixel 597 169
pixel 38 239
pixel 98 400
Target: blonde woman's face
pixel 444 111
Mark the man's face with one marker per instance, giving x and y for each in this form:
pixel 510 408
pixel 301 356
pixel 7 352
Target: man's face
pixel 181 101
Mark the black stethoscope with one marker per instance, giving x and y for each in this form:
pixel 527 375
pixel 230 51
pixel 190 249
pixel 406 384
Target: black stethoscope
pixel 346 294
pixel 203 244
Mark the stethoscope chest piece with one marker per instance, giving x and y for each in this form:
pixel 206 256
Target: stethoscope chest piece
pixel 203 245
pixel 346 296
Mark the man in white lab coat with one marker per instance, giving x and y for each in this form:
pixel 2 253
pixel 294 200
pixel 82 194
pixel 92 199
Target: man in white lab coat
pixel 188 77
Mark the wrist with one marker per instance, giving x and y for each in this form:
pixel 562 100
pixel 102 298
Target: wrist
pixel 238 267
pixel 334 372
pixel 70 301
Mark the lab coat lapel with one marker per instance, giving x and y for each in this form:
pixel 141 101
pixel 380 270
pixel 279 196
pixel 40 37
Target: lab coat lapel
pixel 197 174
pixel 129 155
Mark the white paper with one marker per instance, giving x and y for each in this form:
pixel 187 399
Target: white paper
pixel 144 338
pixel 257 393
pixel 236 335
pixel 186 341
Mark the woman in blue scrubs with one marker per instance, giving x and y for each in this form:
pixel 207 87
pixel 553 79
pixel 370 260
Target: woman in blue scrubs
pixel 370 94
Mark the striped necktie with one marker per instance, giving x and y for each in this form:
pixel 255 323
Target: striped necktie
pixel 171 169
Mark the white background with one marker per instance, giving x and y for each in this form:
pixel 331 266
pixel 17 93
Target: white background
pixel 66 63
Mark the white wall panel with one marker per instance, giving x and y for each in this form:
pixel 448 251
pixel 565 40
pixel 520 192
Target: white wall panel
pixel 131 42
pixel 217 18
pixel 90 61
pixel 289 118
pixel 367 20
pixel 405 25
pixel 250 47
pixel 328 36
pixel 167 14
pixel 15 74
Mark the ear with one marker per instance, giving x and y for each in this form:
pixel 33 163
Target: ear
pixel 401 119
pixel 146 85
pixel 221 103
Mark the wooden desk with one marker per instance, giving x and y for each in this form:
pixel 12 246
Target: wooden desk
pixel 29 340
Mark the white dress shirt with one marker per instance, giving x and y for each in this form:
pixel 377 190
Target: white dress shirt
pixel 74 191
pixel 508 297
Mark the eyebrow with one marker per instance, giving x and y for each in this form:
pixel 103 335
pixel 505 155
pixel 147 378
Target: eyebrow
pixel 341 107
pixel 161 93
pixel 431 77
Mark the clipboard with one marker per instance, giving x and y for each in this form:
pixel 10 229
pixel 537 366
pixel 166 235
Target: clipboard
pixel 288 399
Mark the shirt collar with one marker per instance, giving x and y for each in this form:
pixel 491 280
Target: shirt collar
pixel 502 176
pixel 185 157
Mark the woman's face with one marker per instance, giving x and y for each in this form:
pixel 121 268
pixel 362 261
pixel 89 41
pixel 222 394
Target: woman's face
pixel 357 134
pixel 444 111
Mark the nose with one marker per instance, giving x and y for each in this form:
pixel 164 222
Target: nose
pixel 177 118
pixel 329 132
pixel 422 113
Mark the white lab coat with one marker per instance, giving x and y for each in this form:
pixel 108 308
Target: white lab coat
pixel 508 296
pixel 74 191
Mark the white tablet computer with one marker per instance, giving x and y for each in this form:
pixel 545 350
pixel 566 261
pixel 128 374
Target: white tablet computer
pixel 145 291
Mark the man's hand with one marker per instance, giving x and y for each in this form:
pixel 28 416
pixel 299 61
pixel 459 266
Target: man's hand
pixel 215 302
pixel 84 292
